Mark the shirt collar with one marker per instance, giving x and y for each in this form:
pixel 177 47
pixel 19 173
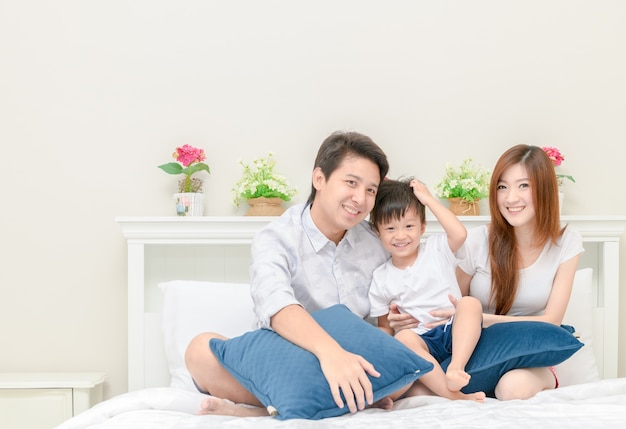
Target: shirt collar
pixel 317 239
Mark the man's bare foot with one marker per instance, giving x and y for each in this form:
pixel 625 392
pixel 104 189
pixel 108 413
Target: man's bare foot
pixel 456 379
pixel 222 407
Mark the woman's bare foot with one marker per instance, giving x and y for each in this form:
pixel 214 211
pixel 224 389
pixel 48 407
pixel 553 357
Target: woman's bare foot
pixel 456 379
pixel 222 407
pixel 386 404
pixel 418 389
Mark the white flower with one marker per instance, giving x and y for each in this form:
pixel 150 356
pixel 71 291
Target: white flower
pixel 469 182
pixel 260 180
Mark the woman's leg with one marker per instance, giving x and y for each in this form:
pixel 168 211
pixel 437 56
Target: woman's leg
pixel 211 377
pixel 466 329
pixel 524 383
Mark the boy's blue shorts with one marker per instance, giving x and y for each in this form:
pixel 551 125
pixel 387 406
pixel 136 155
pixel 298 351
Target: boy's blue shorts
pixel 439 341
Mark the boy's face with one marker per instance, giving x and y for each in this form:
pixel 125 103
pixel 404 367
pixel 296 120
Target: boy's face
pixel 346 197
pixel 401 237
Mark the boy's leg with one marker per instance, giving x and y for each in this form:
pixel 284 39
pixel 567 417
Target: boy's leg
pixel 466 329
pixel 435 380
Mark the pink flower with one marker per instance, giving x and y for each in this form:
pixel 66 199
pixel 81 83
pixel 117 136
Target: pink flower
pixel 554 154
pixel 557 158
pixel 189 162
pixel 187 155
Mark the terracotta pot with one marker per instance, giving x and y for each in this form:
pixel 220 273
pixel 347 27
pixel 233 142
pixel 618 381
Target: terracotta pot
pixel 265 207
pixel 461 207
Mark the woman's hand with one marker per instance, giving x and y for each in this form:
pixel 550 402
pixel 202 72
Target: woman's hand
pixel 399 321
pixel 346 373
pixel 444 314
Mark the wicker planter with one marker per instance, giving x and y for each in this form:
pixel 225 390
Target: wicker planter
pixel 461 207
pixel 265 207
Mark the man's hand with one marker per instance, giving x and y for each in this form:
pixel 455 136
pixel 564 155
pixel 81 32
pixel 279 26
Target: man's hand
pixel 347 373
pixel 398 321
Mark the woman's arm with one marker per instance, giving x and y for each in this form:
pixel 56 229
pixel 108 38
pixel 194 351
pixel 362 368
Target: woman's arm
pixel 344 371
pixel 463 279
pixel 557 303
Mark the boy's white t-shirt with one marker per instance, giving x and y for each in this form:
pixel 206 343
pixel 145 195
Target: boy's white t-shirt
pixel 420 288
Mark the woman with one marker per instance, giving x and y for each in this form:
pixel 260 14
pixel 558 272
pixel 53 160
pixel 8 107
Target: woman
pixel 521 266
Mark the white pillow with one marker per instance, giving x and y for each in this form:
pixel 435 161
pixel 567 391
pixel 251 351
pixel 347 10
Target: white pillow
pixel 581 367
pixel 193 307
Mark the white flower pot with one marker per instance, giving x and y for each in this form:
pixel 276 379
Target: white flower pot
pixel 189 203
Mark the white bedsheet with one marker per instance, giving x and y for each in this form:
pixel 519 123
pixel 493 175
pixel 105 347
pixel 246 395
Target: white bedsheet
pixel 600 404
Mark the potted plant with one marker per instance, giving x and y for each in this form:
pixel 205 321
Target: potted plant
pixel 557 159
pixel 189 160
pixel 464 186
pixel 262 187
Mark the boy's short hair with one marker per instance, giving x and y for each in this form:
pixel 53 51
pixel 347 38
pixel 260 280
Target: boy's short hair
pixel 342 143
pixel 393 199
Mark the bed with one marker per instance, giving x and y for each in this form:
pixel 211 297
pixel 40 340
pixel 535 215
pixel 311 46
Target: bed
pixel 173 307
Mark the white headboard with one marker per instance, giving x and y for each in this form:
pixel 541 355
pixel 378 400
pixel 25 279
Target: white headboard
pixel 218 249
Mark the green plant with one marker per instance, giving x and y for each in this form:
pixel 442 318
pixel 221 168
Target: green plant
pixel 189 161
pixel 557 159
pixel 468 181
pixel 260 180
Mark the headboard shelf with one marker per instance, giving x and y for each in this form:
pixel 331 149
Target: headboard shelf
pixel 209 229
pixel 217 249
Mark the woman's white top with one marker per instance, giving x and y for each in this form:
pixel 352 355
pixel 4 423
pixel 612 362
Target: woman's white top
pixel 535 281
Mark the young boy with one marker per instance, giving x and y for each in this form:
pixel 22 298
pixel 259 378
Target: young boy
pixel 421 278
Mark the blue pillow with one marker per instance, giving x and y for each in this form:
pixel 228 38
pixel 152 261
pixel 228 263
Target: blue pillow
pixel 289 378
pixel 506 346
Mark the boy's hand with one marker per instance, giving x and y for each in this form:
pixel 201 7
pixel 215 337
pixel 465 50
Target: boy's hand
pixel 421 191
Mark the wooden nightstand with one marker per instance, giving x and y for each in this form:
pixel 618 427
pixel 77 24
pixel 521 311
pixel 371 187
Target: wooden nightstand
pixel 45 400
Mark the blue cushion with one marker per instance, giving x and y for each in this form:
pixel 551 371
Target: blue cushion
pixel 506 346
pixel 289 378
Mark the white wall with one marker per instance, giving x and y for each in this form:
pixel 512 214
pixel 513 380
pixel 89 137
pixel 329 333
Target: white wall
pixel 95 94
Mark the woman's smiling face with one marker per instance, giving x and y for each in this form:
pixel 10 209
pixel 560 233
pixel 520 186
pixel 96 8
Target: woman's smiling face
pixel 515 196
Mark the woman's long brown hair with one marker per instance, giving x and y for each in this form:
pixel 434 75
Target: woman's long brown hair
pixel 503 252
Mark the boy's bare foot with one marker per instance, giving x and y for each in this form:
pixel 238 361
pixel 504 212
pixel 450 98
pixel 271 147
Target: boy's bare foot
pixel 222 407
pixel 477 396
pixel 456 379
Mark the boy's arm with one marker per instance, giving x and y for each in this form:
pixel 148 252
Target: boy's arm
pixel 454 229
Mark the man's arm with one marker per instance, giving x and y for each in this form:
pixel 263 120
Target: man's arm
pixel 344 371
